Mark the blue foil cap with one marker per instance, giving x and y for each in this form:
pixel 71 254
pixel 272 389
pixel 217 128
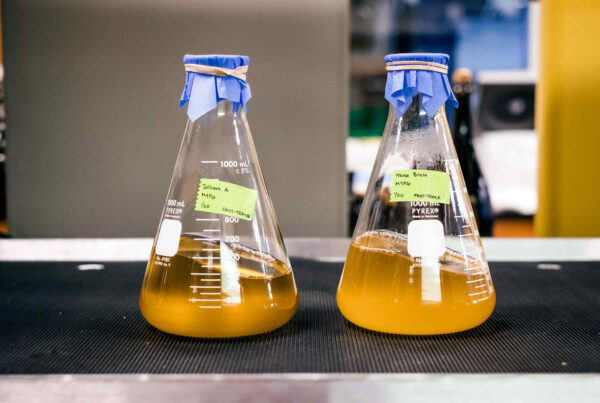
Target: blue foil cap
pixel 204 91
pixel 403 85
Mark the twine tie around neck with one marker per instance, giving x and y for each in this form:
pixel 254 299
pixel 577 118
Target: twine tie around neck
pixel 416 65
pixel 240 72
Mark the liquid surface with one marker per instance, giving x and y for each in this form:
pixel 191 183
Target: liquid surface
pixel 384 289
pixel 214 289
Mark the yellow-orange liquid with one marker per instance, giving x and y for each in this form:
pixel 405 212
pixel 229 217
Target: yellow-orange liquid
pixel 212 289
pixel 384 289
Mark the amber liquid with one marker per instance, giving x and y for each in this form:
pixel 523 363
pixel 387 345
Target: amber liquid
pixel 384 289
pixel 214 289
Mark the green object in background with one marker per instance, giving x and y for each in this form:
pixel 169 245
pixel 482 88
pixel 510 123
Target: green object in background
pixel 368 121
pixel 225 198
pixel 420 185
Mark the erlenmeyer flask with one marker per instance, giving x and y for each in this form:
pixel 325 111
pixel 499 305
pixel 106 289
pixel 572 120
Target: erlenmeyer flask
pixel 218 267
pixel 416 264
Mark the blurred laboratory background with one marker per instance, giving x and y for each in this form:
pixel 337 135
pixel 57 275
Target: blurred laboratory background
pixel 497 40
pixel 92 125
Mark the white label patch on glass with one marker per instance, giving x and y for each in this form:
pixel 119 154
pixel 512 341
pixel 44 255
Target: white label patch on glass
pixel 426 238
pixel 431 288
pixel 168 238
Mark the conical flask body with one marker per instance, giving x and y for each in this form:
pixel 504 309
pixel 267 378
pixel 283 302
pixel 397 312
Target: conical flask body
pixel 218 266
pixel 416 264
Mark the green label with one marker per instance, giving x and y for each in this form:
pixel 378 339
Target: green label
pixel 225 198
pixel 420 185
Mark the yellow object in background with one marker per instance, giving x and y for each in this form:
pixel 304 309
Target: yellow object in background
pixel 568 119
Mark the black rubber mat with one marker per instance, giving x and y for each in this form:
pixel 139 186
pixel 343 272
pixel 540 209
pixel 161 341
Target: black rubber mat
pixel 55 318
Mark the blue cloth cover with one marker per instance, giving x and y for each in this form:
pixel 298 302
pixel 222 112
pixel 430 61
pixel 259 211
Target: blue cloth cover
pixel 403 85
pixel 203 91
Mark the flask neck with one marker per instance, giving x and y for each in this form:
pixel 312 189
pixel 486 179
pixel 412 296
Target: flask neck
pixel 225 126
pixel 226 108
pixel 220 119
pixel 415 118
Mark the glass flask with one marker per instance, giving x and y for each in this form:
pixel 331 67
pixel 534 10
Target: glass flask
pixel 218 266
pixel 416 264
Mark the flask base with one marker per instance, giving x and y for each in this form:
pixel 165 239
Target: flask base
pixel 226 323
pixel 386 290
pixel 420 320
pixel 214 289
